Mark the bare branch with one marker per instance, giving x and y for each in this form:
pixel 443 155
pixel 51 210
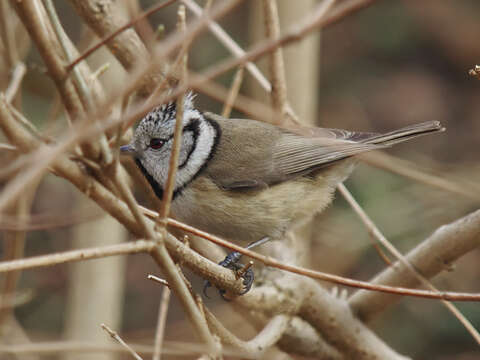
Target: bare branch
pixel 139 246
pixel 277 67
pixel 340 327
pixel 117 338
pixel 17 77
pixel 177 137
pixel 126 45
pixel 230 44
pixel 128 64
pixel 373 229
pixel 161 322
pixel 233 93
pixel 447 243
pixel 33 17
pixel 424 176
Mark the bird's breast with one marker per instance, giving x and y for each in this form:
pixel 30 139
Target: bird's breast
pixel 248 215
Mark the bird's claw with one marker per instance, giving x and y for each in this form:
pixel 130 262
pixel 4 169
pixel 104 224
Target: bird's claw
pixel 242 271
pixel 245 272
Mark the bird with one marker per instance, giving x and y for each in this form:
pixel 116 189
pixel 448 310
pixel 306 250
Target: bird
pixel 247 180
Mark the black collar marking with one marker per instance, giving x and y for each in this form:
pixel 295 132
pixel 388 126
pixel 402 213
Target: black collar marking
pixel 194 126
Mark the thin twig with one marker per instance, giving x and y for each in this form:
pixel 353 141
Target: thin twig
pixel 17 77
pixel 158 280
pixel 177 135
pixel 14 249
pixel 139 246
pixel 52 220
pixel 233 93
pixel 277 66
pixel 117 338
pixel 8 147
pixel 28 124
pixel 230 44
pixel 412 171
pixel 7 34
pixel 161 322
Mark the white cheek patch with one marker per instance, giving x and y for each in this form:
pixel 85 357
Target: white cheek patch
pixel 203 144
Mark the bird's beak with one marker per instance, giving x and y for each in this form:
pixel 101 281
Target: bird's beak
pixel 128 149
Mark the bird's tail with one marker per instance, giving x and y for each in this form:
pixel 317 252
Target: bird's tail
pixel 406 133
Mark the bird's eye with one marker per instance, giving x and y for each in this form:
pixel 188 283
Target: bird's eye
pixel 156 143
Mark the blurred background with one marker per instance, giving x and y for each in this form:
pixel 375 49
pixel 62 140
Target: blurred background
pixel 387 66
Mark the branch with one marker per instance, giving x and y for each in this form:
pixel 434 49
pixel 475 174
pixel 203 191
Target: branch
pixel 33 17
pixel 117 338
pixel 340 327
pixel 103 18
pixel 435 254
pixel 375 232
pixel 139 246
pixel 276 64
pixel 266 338
pixel 129 47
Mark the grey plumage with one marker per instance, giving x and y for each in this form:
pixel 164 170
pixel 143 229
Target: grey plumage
pixel 244 179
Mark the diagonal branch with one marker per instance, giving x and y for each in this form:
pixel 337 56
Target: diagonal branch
pixel 447 243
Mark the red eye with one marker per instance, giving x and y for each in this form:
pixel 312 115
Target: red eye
pixel 156 143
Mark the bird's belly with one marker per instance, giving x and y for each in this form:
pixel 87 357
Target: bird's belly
pixel 248 215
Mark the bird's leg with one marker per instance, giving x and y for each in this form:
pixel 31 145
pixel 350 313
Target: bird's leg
pixel 231 261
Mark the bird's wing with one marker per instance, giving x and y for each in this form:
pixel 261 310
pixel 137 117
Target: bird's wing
pixel 297 155
pixel 252 155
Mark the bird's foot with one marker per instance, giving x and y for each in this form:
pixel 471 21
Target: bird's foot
pixel 245 272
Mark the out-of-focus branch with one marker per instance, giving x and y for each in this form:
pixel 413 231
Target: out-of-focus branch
pixel 33 17
pixel 161 323
pixel 117 338
pixel 340 327
pixel 411 171
pixel 301 338
pixel 269 335
pixel 17 77
pixel 91 96
pixel 376 233
pixel 174 348
pixel 104 18
pixel 115 33
pixel 276 65
pixel 77 255
pixel 14 249
pixel 233 93
pixel 435 254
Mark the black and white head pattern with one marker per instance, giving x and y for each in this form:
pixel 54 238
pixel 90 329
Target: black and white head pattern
pixel 153 142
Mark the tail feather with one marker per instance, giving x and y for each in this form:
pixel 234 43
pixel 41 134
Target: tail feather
pixel 405 133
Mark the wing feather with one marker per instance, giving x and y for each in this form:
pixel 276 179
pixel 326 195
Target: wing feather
pixel 297 154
